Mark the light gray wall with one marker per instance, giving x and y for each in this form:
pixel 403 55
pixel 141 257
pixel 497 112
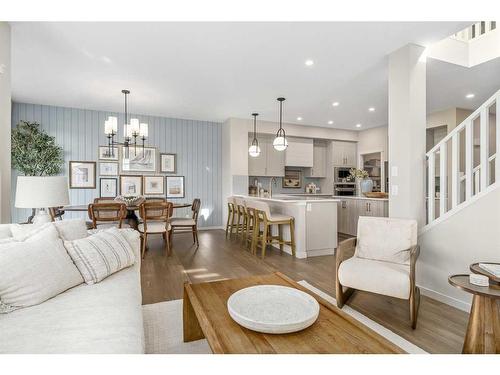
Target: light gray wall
pixel 5 105
pixel 80 132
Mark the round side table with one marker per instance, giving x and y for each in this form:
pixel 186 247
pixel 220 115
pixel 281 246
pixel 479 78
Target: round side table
pixel 483 330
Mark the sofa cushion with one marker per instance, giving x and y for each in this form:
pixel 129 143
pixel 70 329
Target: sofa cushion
pixel 386 239
pixel 5 231
pixel 390 279
pixel 101 254
pixel 70 230
pixel 35 270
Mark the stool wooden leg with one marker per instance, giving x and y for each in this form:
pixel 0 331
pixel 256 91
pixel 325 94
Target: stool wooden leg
pixel 229 219
pixel 249 224
pixel 233 224
pixel 255 235
pixel 280 237
pixel 264 240
pixel 292 235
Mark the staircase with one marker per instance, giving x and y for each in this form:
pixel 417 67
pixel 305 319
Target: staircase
pixel 463 166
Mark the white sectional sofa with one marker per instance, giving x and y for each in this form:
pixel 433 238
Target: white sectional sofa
pixel 102 318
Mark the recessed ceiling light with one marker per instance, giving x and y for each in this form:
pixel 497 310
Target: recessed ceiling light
pixel 371 109
pixel 335 104
pixel 309 63
pixel 299 118
pixel 330 122
pixel 469 96
pixel 358 125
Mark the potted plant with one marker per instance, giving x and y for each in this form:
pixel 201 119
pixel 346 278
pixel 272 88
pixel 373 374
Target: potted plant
pixel 365 182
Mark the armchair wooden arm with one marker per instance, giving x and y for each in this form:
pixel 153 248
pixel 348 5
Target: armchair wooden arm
pixel 345 250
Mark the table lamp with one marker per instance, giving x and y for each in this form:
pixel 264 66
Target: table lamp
pixel 41 192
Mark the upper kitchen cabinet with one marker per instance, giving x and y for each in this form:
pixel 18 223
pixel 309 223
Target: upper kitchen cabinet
pixel 343 154
pixel 319 160
pixel 299 153
pixel 269 163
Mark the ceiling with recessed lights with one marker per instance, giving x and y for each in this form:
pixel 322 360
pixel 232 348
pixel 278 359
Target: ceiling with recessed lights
pixel 332 74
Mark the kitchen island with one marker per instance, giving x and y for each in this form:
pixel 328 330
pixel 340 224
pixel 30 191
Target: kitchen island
pixel 315 222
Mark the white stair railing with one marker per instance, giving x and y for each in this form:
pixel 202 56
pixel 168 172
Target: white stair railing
pixel 475 30
pixel 466 178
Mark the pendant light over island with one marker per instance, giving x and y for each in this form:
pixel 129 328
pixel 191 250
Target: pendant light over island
pixel 280 143
pixel 254 149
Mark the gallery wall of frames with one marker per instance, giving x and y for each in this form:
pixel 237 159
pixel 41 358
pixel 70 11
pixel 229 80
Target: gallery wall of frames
pixel 181 159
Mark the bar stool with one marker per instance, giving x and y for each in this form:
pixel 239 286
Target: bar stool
pixel 265 219
pixel 230 215
pixel 242 217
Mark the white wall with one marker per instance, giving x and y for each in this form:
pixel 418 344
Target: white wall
pixel 373 140
pixel 469 236
pixel 5 114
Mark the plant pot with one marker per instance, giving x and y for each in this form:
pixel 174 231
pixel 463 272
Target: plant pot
pixel 366 185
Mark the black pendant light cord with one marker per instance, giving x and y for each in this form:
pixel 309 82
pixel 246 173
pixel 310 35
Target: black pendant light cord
pixel 255 141
pixel 281 131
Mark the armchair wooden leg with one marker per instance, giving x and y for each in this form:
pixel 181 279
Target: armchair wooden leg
pixel 144 239
pixel 414 306
pixel 341 295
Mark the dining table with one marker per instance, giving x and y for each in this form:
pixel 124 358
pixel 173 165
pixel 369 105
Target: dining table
pixel 132 218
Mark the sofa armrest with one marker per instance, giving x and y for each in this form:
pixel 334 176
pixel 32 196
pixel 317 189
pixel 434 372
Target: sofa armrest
pixel 345 250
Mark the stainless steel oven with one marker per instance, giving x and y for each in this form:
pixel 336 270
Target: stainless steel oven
pixel 340 174
pixel 344 189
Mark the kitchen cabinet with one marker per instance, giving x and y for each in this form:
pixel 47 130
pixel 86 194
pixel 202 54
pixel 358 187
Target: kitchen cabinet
pixel 269 163
pixel 319 161
pixel 343 154
pixel 299 153
pixel 350 209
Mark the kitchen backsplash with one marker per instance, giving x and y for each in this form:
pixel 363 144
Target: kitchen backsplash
pixel 278 187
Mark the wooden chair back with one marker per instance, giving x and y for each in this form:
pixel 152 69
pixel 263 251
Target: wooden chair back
pixel 195 207
pixel 107 212
pixel 155 211
pixel 56 213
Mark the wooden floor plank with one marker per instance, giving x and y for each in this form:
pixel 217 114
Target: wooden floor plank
pixel 441 328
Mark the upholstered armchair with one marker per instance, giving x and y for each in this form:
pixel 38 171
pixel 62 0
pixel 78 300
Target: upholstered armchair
pixel 380 260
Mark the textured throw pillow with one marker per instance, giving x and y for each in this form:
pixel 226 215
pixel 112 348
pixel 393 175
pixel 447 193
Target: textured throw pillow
pixel 72 229
pixel 101 254
pixel 31 272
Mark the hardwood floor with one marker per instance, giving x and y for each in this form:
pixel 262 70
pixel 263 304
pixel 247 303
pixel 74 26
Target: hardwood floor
pixel 440 328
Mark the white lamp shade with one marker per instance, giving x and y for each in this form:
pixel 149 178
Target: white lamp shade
pixel 41 191
pixel 134 125
pixel 143 132
pixel 280 143
pixel 114 123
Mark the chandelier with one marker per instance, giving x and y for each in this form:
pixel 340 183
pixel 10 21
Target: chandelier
pixel 132 131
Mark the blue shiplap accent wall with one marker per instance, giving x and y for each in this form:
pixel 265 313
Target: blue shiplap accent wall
pixel 80 132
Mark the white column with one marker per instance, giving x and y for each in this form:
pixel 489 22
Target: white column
pixel 407 124
pixel 5 125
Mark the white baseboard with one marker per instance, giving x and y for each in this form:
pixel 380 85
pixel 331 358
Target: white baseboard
pixel 461 305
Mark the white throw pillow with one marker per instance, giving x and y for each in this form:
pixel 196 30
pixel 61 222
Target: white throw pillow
pixel 73 229
pixel 21 231
pixel 101 254
pixel 386 239
pixel 31 272
pixel 5 231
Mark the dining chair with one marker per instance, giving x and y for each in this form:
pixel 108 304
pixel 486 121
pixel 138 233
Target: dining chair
pixel 107 214
pixel 182 225
pixel 56 213
pixel 155 218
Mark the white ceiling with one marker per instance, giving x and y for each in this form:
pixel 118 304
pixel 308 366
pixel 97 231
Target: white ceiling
pixel 212 71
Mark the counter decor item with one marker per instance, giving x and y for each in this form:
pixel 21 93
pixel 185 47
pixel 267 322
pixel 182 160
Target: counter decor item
pixel 365 182
pixel 292 179
pixel 273 309
pixel 376 194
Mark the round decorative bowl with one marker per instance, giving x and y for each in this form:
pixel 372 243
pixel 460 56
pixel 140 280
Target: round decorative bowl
pixel 273 309
pixel 134 200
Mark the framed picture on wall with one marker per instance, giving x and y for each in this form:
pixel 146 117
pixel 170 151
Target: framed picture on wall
pixel 108 168
pixel 82 174
pixel 154 185
pixel 167 163
pixel 139 159
pixel 108 153
pixel 130 185
pixel 292 179
pixel 175 186
pixel 108 187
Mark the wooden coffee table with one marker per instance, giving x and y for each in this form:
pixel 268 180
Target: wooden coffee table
pixel 205 316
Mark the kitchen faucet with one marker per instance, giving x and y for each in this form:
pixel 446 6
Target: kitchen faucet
pixel 273 179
